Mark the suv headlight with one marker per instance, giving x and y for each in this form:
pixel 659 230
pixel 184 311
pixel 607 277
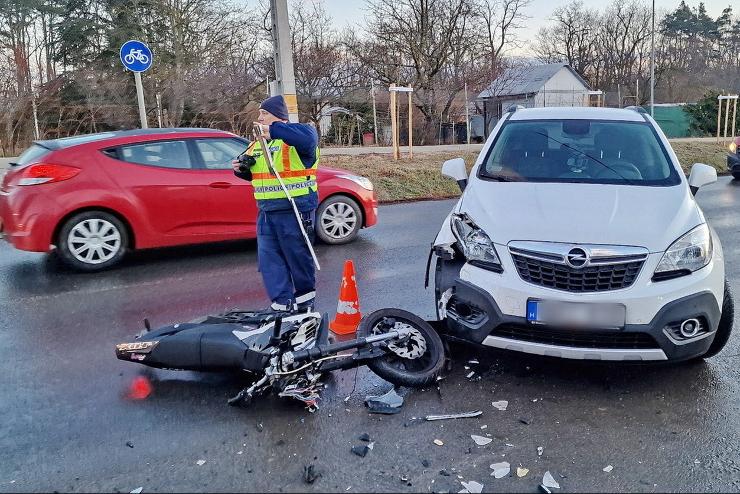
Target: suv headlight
pixel 363 182
pixel 475 243
pixel 689 253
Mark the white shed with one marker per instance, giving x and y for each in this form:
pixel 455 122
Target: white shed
pixel 554 84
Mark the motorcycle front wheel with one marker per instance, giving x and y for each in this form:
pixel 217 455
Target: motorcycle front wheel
pixel 415 362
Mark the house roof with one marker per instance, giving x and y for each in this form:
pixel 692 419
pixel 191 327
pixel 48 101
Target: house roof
pixel 526 80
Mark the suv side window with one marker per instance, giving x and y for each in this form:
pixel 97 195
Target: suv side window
pixel 167 154
pixel 218 153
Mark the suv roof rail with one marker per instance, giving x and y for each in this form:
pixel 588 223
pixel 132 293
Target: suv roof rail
pixel 638 109
pixel 514 108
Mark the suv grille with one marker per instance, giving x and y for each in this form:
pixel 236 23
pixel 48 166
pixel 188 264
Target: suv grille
pixel 617 340
pixel 593 278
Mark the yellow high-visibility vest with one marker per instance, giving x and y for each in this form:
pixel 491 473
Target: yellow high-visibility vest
pixel 298 179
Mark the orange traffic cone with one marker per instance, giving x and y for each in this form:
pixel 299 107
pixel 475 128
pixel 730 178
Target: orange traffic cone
pixel 348 309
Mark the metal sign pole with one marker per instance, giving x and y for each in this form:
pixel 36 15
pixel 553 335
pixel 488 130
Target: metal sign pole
pixel 140 98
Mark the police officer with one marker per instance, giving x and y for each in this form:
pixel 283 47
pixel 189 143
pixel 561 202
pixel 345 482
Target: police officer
pixel 284 259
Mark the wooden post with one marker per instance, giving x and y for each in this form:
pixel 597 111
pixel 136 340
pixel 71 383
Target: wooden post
pixel 734 113
pixel 719 114
pixel 411 128
pixel 393 122
pixel 727 115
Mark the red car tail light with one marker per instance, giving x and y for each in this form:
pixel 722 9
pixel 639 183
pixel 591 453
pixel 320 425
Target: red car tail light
pixel 43 173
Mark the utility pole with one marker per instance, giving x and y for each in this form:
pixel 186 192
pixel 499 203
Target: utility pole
pixel 375 113
pixel 652 66
pixel 283 51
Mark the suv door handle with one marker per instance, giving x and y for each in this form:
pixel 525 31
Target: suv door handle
pixel 220 185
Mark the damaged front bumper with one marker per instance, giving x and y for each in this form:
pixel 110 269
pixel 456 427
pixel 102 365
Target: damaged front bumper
pixel 468 312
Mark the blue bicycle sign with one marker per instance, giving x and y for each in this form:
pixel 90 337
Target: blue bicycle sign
pixel 136 56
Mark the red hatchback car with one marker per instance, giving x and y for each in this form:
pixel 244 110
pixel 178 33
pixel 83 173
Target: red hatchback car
pixel 95 197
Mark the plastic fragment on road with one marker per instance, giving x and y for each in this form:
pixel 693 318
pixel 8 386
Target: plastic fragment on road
pixel 140 388
pixel 388 404
pixel 438 442
pixel 500 470
pixel 472 487
pixel 361 450
pixel 138 490
pixel 480 440
pixel 449 416
pixel 608 468
pixel 200 463
pixel 500 405
pixel 310 475
pixel 549 481
pixel 472 373
pixel 522 472
pixel 540 450
pixel 364 437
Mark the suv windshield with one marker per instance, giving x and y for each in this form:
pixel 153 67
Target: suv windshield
pixel 585 151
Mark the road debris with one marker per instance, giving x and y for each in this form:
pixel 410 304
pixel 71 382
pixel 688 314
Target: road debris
pixel 310 475
pixel 462 415
pixel 361 450
pixel 474 361
pixel 480 440
pixel 483 427
pixel 200 463
pixel 471 374
pixel 549 481
pixel 521 472
pixel 425 463
pixel 500 405
pixel 472 487
pixel 139 389
pixel 544 489
pixel 608 468
pixel 524 421
pixel 129 444
pixel 540 450
pixel 444 473
pixel 438 442
pixel 388 404
pixel 138 490
pixel 364 437
pixel 500 470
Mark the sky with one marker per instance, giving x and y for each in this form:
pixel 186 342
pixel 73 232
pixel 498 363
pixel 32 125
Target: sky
pixel 347 12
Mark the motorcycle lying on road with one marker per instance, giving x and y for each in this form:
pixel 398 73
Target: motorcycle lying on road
pixel 289 352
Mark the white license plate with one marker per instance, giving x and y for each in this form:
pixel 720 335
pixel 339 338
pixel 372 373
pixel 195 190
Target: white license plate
pixel 576 314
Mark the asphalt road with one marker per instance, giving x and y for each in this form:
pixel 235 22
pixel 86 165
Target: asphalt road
pixel 66 422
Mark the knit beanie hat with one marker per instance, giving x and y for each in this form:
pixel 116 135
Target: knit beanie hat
pixel 276 106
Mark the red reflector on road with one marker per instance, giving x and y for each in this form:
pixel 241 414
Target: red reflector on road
pixel 140 388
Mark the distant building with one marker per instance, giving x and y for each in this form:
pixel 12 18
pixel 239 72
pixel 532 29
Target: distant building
pixel 554 84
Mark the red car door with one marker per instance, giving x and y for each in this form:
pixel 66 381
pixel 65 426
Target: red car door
pixel 232 210
pixel 163 185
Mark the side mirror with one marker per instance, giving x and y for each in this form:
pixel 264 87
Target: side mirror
pixel 455 169
pixel 701 175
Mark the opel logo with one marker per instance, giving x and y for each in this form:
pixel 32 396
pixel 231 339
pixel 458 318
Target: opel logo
pixel 577 258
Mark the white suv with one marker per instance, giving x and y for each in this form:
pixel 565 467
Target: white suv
pixel 577 236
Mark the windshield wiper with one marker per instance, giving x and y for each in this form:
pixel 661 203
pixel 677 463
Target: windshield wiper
pixel 502 178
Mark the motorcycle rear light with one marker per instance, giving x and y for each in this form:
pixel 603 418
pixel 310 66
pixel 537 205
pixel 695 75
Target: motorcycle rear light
pixel 44 173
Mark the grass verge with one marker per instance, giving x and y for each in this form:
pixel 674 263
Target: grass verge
pixel 421 178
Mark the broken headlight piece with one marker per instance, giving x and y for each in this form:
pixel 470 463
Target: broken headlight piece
pixel 475 244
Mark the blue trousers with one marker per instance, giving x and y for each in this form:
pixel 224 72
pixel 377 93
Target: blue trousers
pixel 284 259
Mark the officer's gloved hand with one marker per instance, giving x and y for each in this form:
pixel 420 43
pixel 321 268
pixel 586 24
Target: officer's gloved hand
pixel 241 171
